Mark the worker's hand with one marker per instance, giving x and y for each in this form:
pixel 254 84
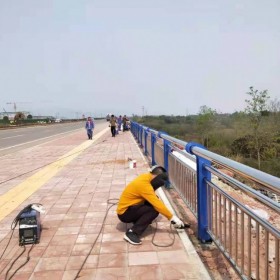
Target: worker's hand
pixel 176 222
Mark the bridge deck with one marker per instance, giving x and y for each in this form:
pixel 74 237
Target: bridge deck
pixel 74 191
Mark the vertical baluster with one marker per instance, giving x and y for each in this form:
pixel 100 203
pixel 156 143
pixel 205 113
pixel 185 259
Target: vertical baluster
pixel 220 218
pixel 249 247
pixel 216 213
pixel 242 242
pixel 257 251
pixel 266 253
pixel 277 262
pixel 236 235
pixel 225 223
pixel 230 228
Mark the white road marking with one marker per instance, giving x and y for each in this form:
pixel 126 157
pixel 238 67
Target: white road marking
pixel 12 136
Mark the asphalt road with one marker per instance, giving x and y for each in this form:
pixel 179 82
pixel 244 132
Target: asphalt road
pixel 13 140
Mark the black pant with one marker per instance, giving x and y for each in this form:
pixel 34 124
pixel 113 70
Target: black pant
pixel 141 215
pixel 113 131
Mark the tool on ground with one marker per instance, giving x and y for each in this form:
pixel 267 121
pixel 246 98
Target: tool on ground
pixel 30 224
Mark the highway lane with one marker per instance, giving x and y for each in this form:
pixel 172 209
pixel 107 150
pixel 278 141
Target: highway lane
pixel 12 140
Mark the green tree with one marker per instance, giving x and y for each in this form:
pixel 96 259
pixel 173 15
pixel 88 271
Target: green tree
pixel 256 107
pixel 205 121
pixel 19 117
pixel 29 117
pixel 6 119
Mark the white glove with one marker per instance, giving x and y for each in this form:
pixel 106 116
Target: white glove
pixel 177 222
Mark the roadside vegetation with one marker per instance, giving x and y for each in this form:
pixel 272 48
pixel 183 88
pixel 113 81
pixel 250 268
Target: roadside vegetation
pixel 251 137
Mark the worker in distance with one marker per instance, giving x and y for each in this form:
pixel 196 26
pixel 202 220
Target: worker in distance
pixel 140 205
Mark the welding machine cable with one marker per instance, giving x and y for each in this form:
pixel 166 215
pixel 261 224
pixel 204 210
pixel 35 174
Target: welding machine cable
pixel 22 265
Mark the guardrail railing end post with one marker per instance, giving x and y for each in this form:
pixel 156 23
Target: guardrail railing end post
pixel 202 194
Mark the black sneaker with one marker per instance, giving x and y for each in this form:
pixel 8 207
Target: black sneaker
pixel 132 237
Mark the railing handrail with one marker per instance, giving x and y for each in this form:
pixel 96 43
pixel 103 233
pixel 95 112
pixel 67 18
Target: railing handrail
pixel 213 205
pixel 271 182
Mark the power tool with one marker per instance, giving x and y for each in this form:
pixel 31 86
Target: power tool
pixel 30 224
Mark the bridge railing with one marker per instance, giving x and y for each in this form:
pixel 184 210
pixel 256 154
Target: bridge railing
pixel 247 239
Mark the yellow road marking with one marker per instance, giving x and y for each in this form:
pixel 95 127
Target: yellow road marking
pixel 14 197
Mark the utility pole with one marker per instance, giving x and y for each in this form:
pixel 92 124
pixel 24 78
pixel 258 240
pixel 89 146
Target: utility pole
pixel 143 111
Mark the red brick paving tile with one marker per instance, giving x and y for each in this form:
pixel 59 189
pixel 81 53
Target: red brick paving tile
pixel 91 261
pixel 86 229
pixel 146 272
pixel 85 274
pixel 92 221
pixel 81 204
pixel 69 275
pixel 111 229
pixel 100 206
pixel 112 260
pixel 98 214
pixel 142 258
pixel 176 246
pixel 86 238
pixel 118 236
pixel 58 205
pixel 75 262
pixel 113 247
pixel 45 240
pixel 48 231
pixel 117 273
pixel 96 248
pixel 67 230
pixel 53 263
pixel 3 265
pixel 51 224
pixel 74 216
pixel 20 276
pixel 179 271
pixel 83 198
pixel 12 251
pixel 29 267
pixel 64 240
pixel 173 257
pixel 58 211
pixel 72 222
pixel 81 250
pixel 104 195
pixel 56 217
pixel 47 275
pixel 146 246
pixel 58 251
pixel 65 201
pixel 78 210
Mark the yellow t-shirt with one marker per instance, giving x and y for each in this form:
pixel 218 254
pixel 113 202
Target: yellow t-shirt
pixel 139 190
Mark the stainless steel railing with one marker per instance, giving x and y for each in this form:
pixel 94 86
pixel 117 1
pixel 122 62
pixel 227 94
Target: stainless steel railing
pixel 249 241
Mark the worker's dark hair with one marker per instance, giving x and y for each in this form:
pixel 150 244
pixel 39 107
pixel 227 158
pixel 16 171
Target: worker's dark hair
pixel 157 169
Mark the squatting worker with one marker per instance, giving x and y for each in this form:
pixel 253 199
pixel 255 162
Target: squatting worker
pixel 140 205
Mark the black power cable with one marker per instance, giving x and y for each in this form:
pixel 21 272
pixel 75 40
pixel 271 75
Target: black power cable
pixel 22 265
pixel 111 202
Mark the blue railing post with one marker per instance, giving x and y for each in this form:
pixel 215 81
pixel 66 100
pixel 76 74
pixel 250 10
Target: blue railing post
pixel 137 132
pixel 141 136
pixel 146 132
pixel 166 151
pixel 153 140
pixel 202 194
pixel 133 125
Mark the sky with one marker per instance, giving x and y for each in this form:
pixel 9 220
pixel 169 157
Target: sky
pixel 72 57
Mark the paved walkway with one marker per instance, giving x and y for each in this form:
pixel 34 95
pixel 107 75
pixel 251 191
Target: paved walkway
pixel 74 178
